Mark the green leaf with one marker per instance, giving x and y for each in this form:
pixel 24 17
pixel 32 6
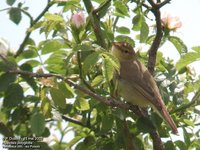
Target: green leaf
pixel 107 123
pixel 33 63
pixel 195 144
pixel 52 46
pixel 29 54
pixel 186 137
pixel 150 39
pixel 137 22
pixel 123 38
pixel 55 63
pixel 113 60
pixel 144 32
pixel 13 95
pixel 169 145
pixel 108 69
pixel 10 2
pixel 74 141
pixel 104 9
pixel 6 79
pixel 123 30
pixel 71 5
pixel 196 48
pixel 144 124
pixel 37 123
pixel 180 144
pixel 97 80
pixel 188 122
pixel 29 80
pixel 187 59
pixel 179 44
pixel 121 9
pixel 82 104
pixel 58 97
pixel 90 61
pixel 54 17
pixel 66 89
pixel 15 15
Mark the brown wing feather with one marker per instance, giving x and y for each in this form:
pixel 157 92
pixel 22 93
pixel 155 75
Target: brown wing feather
pixel 144 83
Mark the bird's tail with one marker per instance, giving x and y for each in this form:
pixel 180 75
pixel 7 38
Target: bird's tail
pixel 163 113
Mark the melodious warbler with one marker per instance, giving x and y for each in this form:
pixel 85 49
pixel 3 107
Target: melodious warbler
pixel 135 83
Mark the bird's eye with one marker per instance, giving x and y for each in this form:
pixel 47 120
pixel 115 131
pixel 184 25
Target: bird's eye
pixel 126 51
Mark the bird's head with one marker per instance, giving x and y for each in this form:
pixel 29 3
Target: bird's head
pixel 123 51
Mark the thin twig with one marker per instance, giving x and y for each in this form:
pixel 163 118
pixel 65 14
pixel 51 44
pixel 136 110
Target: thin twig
pixel 129 139
pixel 157 143
pixel 101 7
pixel 163 3
pixel 23 44
pixel 81 72
pixel 73 121
pixel 194 101
pixel 95 21
pixel 106 100
pixel 4 130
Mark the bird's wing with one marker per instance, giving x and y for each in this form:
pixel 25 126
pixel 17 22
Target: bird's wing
pixel 146 85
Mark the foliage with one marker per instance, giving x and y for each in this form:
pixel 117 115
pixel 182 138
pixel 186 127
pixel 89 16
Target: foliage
pixel 35 107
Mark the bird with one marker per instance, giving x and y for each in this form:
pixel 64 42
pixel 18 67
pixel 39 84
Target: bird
pixel 136 84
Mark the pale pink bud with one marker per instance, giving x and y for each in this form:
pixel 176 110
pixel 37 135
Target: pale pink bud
pixel 171 22
pixel 78 19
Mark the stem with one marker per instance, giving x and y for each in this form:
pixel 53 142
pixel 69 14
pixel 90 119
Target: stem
pixel 4 130
pixel 194 101
pixel 159 34
pixel 73 121
pixel 23 44
pixel 95 21
pixel 81 72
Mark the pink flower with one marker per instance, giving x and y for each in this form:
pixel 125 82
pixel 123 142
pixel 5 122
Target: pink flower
pixel 78 19
pixel 171 22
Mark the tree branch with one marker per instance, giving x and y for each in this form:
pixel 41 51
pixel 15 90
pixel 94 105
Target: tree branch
pixel 5 130
pixel 128 137
pixel 163 3
pixel 159 34
pixel 23 44
pixel 194 101
pixel 157 143
pixel 74 121
pixel 108 101
pixel 95 21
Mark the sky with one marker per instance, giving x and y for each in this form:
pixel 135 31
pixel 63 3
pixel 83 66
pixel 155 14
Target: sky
pixel 187 10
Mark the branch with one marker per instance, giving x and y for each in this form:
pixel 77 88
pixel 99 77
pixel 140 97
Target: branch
pixel 5 130
pixel 108 101
pixel 128 137
pixel 157 143
pixel 194 101
pixel 163 3
pixel 155 9
pixel 155 45
pixel 95 21
pixel 81 72
pixel 73 121
pixel 23 44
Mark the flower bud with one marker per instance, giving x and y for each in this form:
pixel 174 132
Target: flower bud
pixel 78 20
